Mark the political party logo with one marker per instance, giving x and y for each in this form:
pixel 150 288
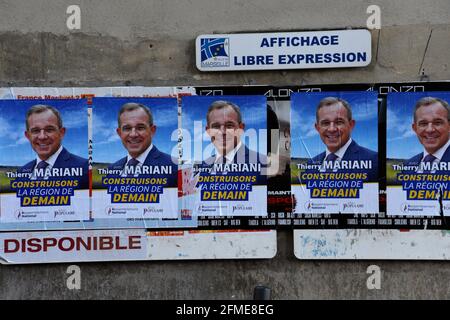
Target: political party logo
pixel 18 214
pixel 151 210
pixel 352 206
pixel 63 212
pixel 314 206
pixel 214 52
pixel 211 208
pixel 404 207
pixel 111 211
pixel 411 208
pixel 108 211
pixel 308 206
pixel 241 207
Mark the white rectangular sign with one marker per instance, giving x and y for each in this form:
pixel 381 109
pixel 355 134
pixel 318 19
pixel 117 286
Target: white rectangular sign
pixel 288 50
pixel 68 246
pixel 135 244
pixel 366 244
pixel 212 244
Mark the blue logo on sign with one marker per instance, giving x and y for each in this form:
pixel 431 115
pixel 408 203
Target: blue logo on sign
pixel 214 52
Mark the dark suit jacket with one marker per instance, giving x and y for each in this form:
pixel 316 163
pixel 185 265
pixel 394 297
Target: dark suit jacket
pixel 414 161
pixel 65 160
pixel 155 158
pixel 355 152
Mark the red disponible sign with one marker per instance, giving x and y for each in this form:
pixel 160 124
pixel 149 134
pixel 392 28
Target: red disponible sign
pixel 57 246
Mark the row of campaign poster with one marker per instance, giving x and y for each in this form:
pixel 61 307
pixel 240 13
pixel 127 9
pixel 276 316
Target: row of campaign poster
pixel 121 158
pixel 335 160
pixel 154 159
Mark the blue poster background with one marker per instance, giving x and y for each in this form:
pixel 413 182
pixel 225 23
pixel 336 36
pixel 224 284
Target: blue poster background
pixel 107 146
pixel 194 108
pixel 402 142
pixel 306 142
pixel 15 149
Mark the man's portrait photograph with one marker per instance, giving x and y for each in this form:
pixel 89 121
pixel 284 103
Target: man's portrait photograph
pixel 225 140
pixel 334 153
pixel 44 159
pixel 135 157
pixel 418 153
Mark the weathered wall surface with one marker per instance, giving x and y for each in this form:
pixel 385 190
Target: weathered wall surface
pixel 152 43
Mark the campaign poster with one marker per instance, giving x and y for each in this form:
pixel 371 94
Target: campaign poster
pixel 135 158
pixel 225 145
pixel 334 155
pixel 418 154
pixel 44 173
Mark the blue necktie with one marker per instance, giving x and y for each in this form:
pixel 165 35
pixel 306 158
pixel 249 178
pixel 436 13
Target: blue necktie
pixel 42 165
pixel 429 158
pixel 331 158
pixel 132 163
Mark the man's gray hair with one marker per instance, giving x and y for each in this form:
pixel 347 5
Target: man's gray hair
pixel 328 101
pixel 130 106
pixel 220 104
pixel 40 108
pixel 426 101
